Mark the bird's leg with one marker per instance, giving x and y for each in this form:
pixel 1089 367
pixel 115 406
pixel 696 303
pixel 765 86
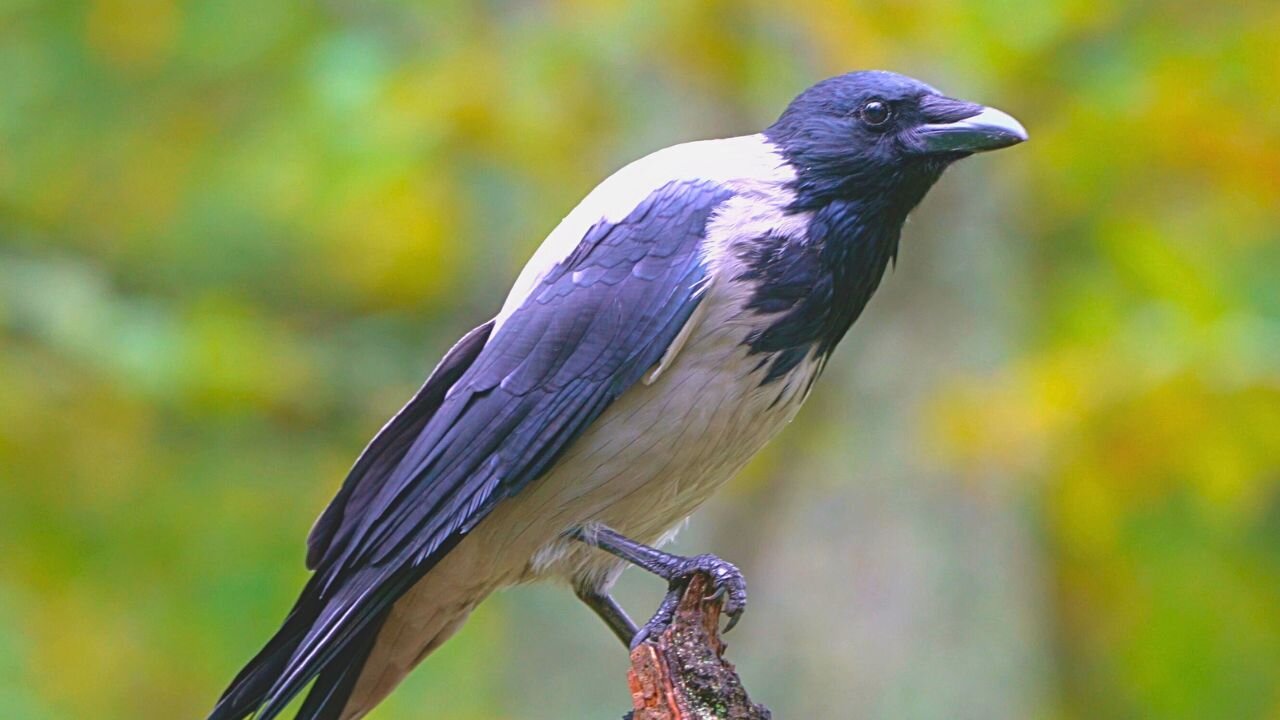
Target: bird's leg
pixel 676 570
pixel 608 610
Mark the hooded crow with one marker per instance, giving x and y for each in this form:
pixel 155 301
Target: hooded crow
pixel 668 327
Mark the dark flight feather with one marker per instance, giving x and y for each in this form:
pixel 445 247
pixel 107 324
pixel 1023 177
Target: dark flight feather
pixel 389 445
pixel 250 686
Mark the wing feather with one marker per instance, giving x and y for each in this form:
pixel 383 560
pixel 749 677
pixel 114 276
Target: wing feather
pixel 389 446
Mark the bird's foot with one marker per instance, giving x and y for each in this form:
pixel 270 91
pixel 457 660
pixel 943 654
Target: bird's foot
pixel 661 619
pixel 726 580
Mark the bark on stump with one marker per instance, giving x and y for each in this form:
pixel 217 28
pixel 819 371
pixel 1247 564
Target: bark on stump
pixel 682 674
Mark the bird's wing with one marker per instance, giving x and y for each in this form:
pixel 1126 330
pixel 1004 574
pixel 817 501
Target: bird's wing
pixel 389 446
pixel 588 330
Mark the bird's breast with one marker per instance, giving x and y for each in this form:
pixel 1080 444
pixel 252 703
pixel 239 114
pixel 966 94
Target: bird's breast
pixel 664 446
pixel 662 449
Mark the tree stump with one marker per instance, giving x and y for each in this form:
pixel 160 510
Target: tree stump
pixel 682 673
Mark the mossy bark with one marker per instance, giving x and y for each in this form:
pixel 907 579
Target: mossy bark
pixel 682 674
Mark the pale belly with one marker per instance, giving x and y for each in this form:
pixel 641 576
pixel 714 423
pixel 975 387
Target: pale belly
pixel 650 460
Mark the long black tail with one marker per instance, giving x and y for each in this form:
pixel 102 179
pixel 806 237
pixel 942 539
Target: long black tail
pixel 331 631
pixel 250 687
pixel 332 687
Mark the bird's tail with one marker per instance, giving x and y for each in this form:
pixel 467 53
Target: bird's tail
pixel 331 691
pixel 250 687
pixel 332 687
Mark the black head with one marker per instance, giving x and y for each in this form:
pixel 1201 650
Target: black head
pixel 881 139
pixel 865 147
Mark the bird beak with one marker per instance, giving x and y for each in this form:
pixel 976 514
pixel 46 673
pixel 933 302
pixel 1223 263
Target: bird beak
pixel 984 129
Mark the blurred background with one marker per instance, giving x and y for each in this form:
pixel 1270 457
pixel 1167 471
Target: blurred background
pixel 1040 480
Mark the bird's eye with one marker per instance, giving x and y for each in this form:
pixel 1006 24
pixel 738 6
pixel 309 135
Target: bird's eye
pixel 875 113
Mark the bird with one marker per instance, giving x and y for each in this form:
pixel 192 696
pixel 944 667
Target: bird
pixel 671 324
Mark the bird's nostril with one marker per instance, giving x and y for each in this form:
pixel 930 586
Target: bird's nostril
pixel 942 109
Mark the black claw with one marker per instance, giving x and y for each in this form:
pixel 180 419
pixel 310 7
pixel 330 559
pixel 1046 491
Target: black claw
pixel 641 635
pixel 661 619
pixel 727 580
pixel 733 620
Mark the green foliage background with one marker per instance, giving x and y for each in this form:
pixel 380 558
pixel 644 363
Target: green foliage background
pixel 1042 479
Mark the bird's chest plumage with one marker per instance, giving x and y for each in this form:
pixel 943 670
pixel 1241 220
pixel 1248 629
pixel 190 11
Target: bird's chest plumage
pixel 666 444
pixel 660 451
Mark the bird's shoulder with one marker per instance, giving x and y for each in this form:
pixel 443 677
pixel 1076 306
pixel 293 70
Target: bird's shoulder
pixel 726 165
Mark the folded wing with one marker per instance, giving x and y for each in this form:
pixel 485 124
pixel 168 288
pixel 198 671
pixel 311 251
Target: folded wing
pixel 592 326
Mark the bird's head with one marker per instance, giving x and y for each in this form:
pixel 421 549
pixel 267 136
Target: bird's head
pixel 881 138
